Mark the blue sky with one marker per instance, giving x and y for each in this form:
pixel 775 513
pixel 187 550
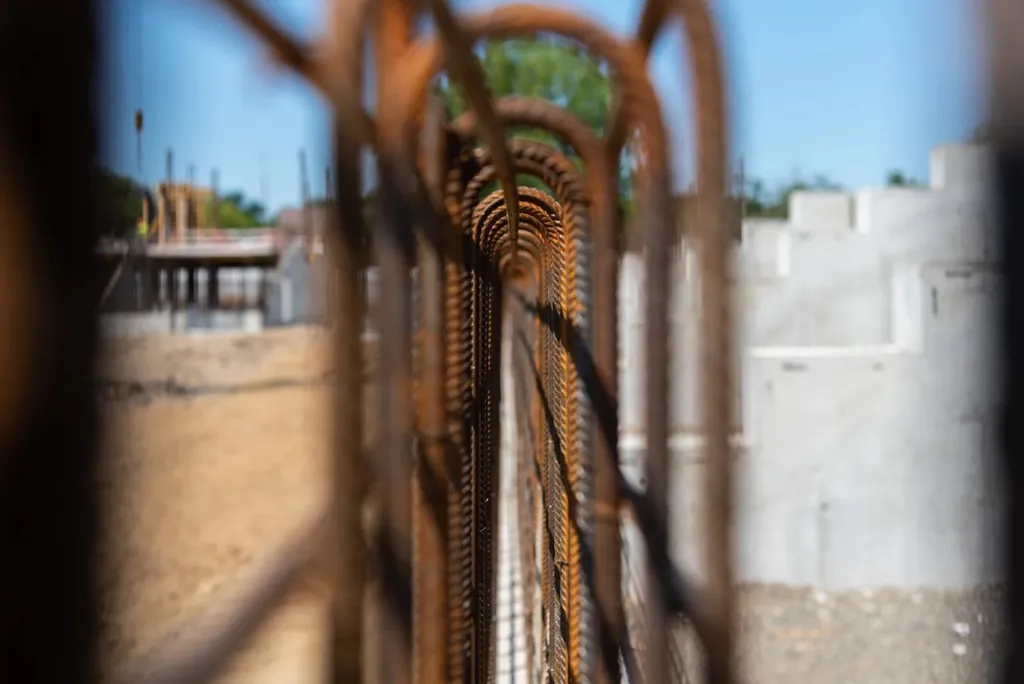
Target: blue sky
pixel 846 89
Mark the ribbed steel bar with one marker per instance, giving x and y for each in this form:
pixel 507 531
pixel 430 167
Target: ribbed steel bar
pixel 490 225
pixel 603 194
pixel 432 491
pixel 466 70
pixel 524 287
pixel 561 175
pixel 524 19
pixel 351 473
pixel 395 245
pixel 435 542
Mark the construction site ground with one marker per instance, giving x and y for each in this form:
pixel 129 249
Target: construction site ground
pixel 218 450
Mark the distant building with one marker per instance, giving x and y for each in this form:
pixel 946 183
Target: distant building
pixel 180 207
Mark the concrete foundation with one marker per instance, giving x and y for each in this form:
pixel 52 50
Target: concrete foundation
pixel 867 389
pixel 868 509
pixel 886 636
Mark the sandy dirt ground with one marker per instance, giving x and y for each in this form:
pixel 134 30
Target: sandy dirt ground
pixel 219 451
pixel 201 487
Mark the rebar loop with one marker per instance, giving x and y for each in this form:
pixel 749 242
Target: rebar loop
pixel 458 269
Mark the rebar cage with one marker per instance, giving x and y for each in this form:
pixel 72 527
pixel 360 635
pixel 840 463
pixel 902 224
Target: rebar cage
pixel 412 531
pixel 545 263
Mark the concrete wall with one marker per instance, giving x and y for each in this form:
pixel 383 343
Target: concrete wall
pixel 867 388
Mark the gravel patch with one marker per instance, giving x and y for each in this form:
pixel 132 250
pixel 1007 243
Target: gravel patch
pixel 886 636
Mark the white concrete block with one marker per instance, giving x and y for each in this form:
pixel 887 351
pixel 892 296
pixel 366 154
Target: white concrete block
pixel 954 166
pixel 868 390
pixel 819 210
pixel 766 250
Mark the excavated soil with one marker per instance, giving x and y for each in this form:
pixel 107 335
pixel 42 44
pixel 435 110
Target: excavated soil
pixel 218 449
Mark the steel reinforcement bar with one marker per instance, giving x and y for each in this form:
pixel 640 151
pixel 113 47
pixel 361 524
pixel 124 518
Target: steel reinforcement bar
pixel 409 539
pixel 414 522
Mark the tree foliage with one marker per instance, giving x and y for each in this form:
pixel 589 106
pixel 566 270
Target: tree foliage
pixel 237 211
pixel 549 68
pixel 120 201
pixel 897 179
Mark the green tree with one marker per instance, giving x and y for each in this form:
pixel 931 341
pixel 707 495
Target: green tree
pixel 549 68
pixel 120 200
pixel 898 179
pixel 237 211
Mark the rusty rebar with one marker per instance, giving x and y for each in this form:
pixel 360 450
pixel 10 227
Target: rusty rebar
pixel 466 70
pixel 435 536
pixel 432 490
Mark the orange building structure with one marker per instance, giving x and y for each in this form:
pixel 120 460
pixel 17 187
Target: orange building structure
pixel 181 207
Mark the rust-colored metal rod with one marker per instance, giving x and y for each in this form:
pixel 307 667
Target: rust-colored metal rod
pixel 395 246
pixel 716 369
pixel 468 73
pixel 351 475
pixel 652 19
pixel 603 189
pixel 394 461
pixel 526 19
pixel 717 380
pixel 607 535
pixel 559 174
pixel 432 488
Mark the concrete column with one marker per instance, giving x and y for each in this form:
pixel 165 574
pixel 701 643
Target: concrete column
pixel 213 289
pixel 173 293
pixel 151 275
pixel 145 286
pixel 287 302
pixel 261 291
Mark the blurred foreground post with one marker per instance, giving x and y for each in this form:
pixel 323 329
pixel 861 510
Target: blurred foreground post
pixel 49 290
pixel 1005 30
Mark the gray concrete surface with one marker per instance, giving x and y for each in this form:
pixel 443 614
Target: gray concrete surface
pixel 788 635
pixel 867 387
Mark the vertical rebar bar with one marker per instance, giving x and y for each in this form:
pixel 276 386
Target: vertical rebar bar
pixel 432 489
pixel 394 244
